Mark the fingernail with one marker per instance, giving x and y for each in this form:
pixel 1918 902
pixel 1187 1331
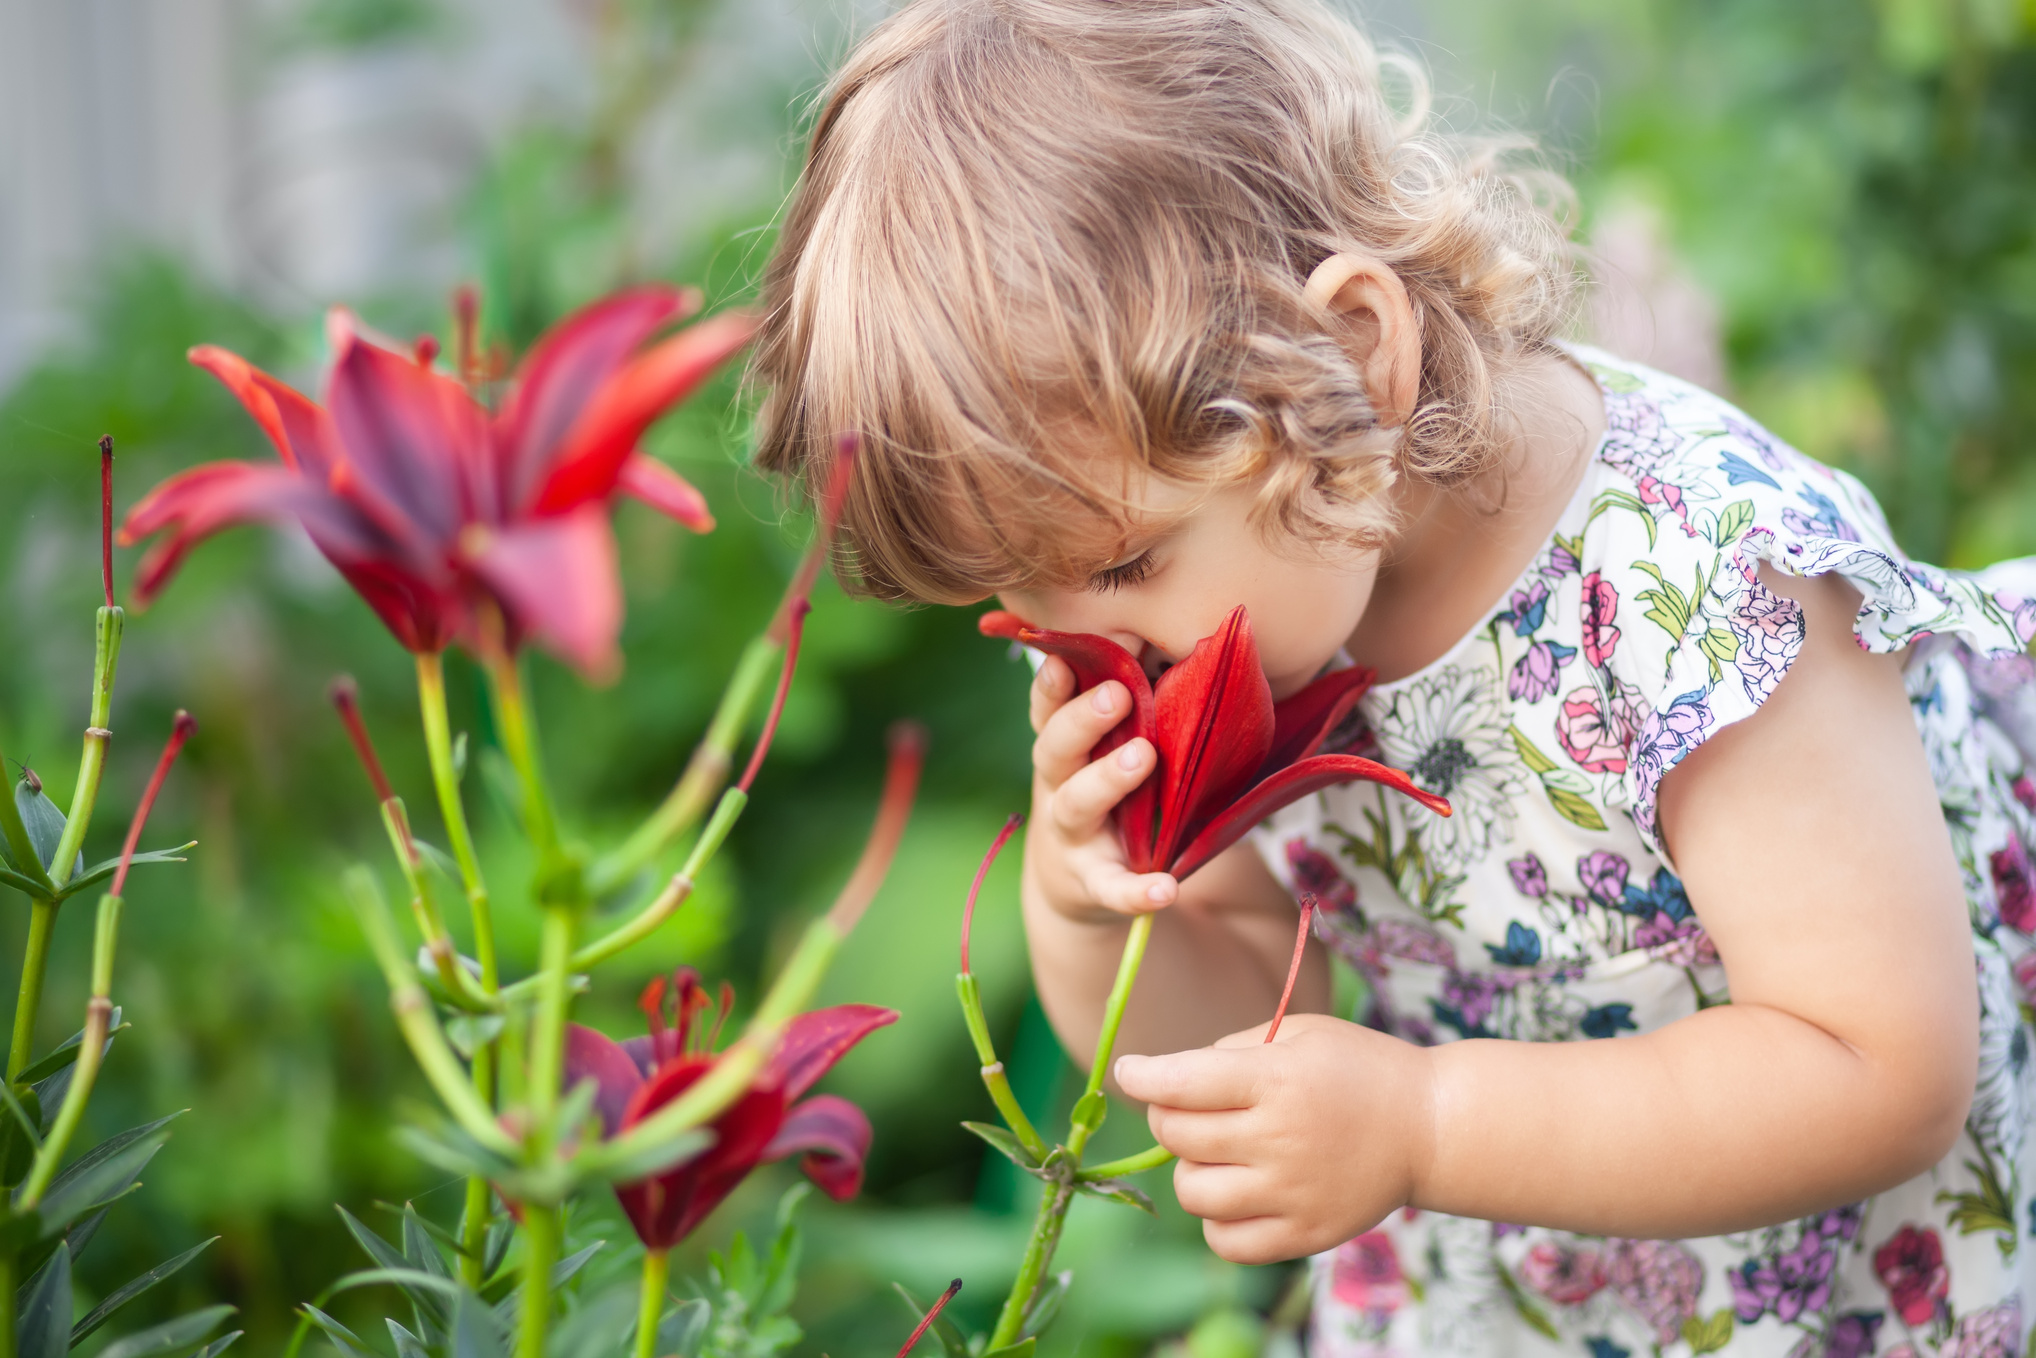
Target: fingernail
pixel 1160 892
pixel 1103 699
pixel 1117 1067
pixel 1130 757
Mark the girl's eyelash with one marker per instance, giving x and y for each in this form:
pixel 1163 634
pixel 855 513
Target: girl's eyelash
pixel 1122 576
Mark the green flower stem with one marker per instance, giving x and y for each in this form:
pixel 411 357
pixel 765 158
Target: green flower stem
pixel 705 772
pixel 91 766
pixel 1046 1228
pixel 418 1023
pixel 512 720
pixel 541 1238
pixel 461 988
pixel 1106 1040
pixel 7 1285
pixel 1151 1158
pixel 474 1231
pixel 994 1078
pixel 92 763
pixel 548 1029
pixel 42 921
pixel 445 779
pixel 49 1157
pixel 656 1271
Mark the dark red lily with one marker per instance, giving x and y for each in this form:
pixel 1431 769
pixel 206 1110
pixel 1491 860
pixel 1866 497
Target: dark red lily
pixel 1229 756
pixel 769 1121
pixel 432 506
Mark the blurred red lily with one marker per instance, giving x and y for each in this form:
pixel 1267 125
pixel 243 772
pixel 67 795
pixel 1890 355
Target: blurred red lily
pixel 634 1079
pixel 1229 756
pixel 431 505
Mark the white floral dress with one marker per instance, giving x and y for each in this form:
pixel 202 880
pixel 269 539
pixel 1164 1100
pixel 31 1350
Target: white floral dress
pixel 1544 910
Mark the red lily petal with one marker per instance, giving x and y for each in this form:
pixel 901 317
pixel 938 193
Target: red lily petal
pixel 1286 787
pixel 595 1056
pixel 414 439
pixel 1097 660
pixel 197 503
pixel 1213 714
pixel 1301 723
pixel 813 1042
pixel 835 1136
pixel 590 461
pixel 297 425
pixel 563 370
pixel 664 490
pixel 559 581
pixel 424 615
pixel 666 1207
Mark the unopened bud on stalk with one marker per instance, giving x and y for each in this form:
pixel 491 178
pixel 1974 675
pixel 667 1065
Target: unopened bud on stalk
pixel 346 697
pixel 180 732
pixel 106 516
pixel 968 912
pixel 426 349
pixel 901 784
pixel 466 332
pixel 1293 967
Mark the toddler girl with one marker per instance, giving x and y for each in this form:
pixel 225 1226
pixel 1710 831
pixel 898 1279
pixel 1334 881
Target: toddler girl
pixel 1146 309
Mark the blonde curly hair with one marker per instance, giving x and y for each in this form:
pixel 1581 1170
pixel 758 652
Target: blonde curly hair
pixel 1042 247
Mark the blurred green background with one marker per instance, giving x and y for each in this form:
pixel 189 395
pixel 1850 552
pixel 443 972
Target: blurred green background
pixel 1827 207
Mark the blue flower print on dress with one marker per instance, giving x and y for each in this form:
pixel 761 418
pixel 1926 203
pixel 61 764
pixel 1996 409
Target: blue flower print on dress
pixel 1663 895
pixel 1607 1020
pixel 1738 472
pixel 1522 947
pixel 1529 609
pixel 1824 521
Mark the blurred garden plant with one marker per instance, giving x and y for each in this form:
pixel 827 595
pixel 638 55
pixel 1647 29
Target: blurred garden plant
pixel 52 1210
pixel 471 507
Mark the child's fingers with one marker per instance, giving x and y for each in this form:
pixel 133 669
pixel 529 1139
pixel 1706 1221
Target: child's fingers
pixel 1219 1192
pixel 1071 732
pixel 1113 887
pixel 1081 804
pixel 1220 1138
pixel 1051 687
pixel 1207 1079
pixel 1256 1240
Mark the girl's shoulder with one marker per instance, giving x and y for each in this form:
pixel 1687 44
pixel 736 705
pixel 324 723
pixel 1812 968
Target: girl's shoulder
pixel 1687 501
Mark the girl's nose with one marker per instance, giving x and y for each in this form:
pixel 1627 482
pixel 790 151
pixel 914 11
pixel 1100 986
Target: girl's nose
pixel 1151 658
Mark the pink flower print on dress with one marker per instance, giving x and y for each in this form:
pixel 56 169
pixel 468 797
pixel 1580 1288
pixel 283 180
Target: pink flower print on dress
pixel 1757 439
pixel 1658 1280
pixel 1597 740
pixel 1679 942
pixel 1530 877
pixel 1315 874
pixel 1911 1267
pixel 1537 673
pixel 1995 1332
pixel 1601 606
pixel 1603 875
pixel 2024 789
pixel 1770 632
pixel 1366 1276
pixel 1852 1336
pixel 2025 977
pixel 1412 942
pixel 1528 609
pixel 1566 1276
pixel 2014 893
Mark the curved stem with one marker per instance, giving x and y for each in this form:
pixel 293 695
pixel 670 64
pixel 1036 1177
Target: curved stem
pixel 92 762
pixel 1089 1111
pixel 445 780
pixel 541 1233
pixel 512 720
pixel 49 1157
pixel 42 919
pixel 651 1306
pixel 1151 1158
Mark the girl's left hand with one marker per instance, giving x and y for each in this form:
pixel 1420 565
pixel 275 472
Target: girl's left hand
pixel 1293 1147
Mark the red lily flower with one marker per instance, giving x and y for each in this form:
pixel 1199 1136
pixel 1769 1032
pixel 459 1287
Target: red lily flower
pixel 634 1079
pixel 1229 756
pixel 431 506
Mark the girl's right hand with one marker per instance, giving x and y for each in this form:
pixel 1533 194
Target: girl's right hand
pixel 1072 856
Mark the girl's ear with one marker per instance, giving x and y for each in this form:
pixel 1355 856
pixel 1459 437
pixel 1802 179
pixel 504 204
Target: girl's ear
pixel 1377 331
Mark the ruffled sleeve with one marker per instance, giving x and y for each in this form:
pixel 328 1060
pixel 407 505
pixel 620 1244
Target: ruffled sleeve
pixel 1694 498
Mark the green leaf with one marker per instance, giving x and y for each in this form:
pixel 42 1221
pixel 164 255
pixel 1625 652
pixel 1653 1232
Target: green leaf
pixel 1733 521
pixel 1559 783
pixel 562 1272
pixel 1528 1311
pixel 1089 1110
pixel 44 1330
pixel 1721 646
pixel 417 1246
pixel 27 886
pixel 459 757
pixel 1118 1190
pixel 781 1268
pixel 168 1337
pixel 1046 1303
pixel 100 1175
pixel 20 1132
pixel 99 872
pixel 595 1328
pixel 342 1338
pixel 432 1306
pixel 43 821
pixel 450 1149
pixel 1615 379
pixel 1670 608
pixel 1530 753
pixel 468 1033
pixel 684 1328
pixel 219 1345
pixel 129 1291
pixel 1619 499
pixel 408 1345
pixel 1708 1336
pixel 1022 1349
pixel 475 1331
pixel 1575 809
pixel 1004 1143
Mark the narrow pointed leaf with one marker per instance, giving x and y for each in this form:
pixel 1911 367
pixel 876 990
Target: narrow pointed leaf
pixel 94 1182
pixel 172 1336
pixel 44 821
pixel 44 1328
pixel 344 1339
pixel 99 872
pixel 475 1331
pixel 419 1250
pixel 684 1328
pixel 1118 1190
pixel 1046 1303
pixel 594 1328
pixel 402 1272
pixel 408 1345
pixel 1003 1142
pixel 1024 1348
pixel 128 1292
pixel 65 1053
pixel 26 886
pixel 1286 787
pixel 219 1345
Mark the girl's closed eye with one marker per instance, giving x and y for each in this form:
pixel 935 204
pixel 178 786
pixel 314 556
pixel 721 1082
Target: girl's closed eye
pixel 1124 575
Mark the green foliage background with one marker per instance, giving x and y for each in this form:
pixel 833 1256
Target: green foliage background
pixel 1852 179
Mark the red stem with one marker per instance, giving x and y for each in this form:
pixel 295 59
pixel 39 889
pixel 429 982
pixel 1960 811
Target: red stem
pixel 1294 967
pixel 831 503
pixel 932 1314
pixel 796 630
pixel 968 913
pixel 106 516
pixel 901 783
pixel 179 733
pixel 346 696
